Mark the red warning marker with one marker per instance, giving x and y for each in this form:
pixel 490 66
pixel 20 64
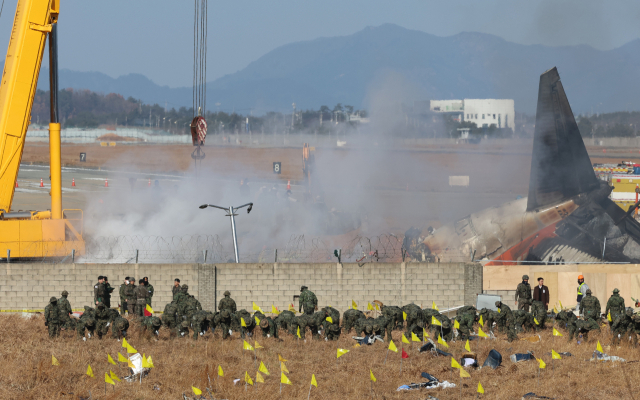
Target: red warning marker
pixel 106 182
pixel 41 183
pixel 73 182
pixel 289 184
pixel 16 183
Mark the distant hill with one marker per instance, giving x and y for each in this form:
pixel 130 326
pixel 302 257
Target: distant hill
pixel 327 71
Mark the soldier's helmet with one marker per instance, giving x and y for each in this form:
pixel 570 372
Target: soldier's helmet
pixel 334 327
pixel 588 291
pixel 185 287
pixel 629 312
pixel 227 293
pixel 185 324
pixel 376 327
pixel 525 277
pixel 368 328
pixel 303 288
pixel 498 303
pixel 53 300
pixel 616 290
pixel 264 323
pixel 65 293
pixel 155 321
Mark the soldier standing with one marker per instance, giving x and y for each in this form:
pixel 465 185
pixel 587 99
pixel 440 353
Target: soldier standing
pixel 52 317
pixel 307 300
pixel 123 298
pixel 130 295
pixel 176 287
pixel 590 307
pixel 149 289
pixel 227 303
pixel 523 294
pixel 65 311
pixel 615 305
pixel 107 292
pixel 141 298
pixel 99 291
pixel 582 290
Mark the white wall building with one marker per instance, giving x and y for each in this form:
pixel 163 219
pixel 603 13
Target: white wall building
pixel 482 112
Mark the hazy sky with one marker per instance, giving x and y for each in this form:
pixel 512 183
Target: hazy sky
pixel 155 37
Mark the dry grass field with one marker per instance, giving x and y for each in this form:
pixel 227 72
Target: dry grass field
pixel 26 371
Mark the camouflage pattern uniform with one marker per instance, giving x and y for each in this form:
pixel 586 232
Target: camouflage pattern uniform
pixel 350 317
pixel 427 315
pixel 333 332
pixel 151 290
pixel 523 321
pixel 130 296
pixel 119 328
pixel 569 319
pixel 335 317
pixel 523 294
pixel 200 322
pixel 395 314
pixel 303 322
pixel 52 317
pixel 539 313
pixel 107 296
pixel 415 322
pixel 65 311
pixel 505 319
pixel 102 319
pixel 364 326
pixel 249 321
pixel 99 293
pixel 634 329
pixel 284 320
pixel 225 319
pixel 488 318
pixel 150 326
pixel 615 305
pixel 141 299
pixel 466 321
pixel 190 306
pixel 123 303
pixel 183 329
pixel 621 325
pixel 445 331
pixel 585 326
pixel 87 321
pixel 227 303
pixel 170 318
pixel 268 327
pixel 382 325
pixel 308 301
pixel 182 295
pixel 590 307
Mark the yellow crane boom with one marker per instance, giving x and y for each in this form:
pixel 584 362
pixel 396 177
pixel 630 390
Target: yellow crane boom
pixel 32 234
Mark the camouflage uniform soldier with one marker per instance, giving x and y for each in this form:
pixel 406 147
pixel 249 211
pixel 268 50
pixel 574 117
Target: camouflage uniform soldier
pixel 189 307
pixel 123 301
pixel 268 327
pixel 466 321
pixel 584 326
pixel 108 290
pixel 445 331
pixel 183 329
pixel 308 301
pixel 225 322
pixel 175 288
pixel 249 321
pixel 615 305
pixel 141 298
pixel 335 317
pixel 569 319
pixel 87 321
pixel 634 329
pixel 622 324
pixel 52 318
pixel 539 313
pixel 303 322
pixel 130 296
pixel 333 332
pixel 170 318
pixel 384 324
pixel 227 303
pixel 427 315
pixel 149 288
pixel 523 294
pixel 505 319
pixel 119 328
pixel 182 295
pixel 590 307
pixel 284 320
pixel 200 323
pixel 488 318
pixel 523 321
pixel 150 326
pixel 364 326
pixel 414 318
pixel 65 311
pixel 350 317
pixel 99 291
pixel 395 314
pixel 102 319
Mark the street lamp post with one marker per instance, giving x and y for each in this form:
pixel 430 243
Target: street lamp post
pixel 230 213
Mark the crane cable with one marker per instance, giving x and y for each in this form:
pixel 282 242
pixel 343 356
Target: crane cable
pixel 200 57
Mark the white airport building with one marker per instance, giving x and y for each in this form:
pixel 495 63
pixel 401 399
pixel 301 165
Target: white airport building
pixel 482 112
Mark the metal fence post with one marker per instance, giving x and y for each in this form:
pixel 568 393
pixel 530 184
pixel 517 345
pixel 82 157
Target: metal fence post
pixel 73 255
pixel 136 256
pixel 204 256
pixel 276 255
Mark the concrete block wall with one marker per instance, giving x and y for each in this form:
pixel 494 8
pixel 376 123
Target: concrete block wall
pixel 508 297
pixel 29 286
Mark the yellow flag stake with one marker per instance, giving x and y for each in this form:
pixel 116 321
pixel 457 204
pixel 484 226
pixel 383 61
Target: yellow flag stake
pixel 313 383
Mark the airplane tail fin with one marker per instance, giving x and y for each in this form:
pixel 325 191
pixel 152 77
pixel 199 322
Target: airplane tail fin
pixel 560 164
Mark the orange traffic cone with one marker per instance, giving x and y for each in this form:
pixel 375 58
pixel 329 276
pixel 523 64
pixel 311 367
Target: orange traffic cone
pixel 73 182
pixel 106 182
pixel 41 183
pixel 289 185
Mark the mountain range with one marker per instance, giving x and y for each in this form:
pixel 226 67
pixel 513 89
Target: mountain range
pixel 391 64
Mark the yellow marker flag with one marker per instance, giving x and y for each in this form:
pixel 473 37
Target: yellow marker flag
pixel 556 332
pixel 130 364
pixel 404 316
pixel 125 344
pixel 256 308
pixel 555 310
pixel 354 305
pixel 274 310
pixel 560 304
pixel 293 310
pixel 280 358
pixel 599 347
pixel 122 358
pixel 498 310
pixel 130 349
pixel 284 379
pixel 369 307
pixel 442 342
pixel 464 374
pixel 263 368
pixel 110 360
pixel 242 323
pixel 536 321
pixel 371 376
pixel 355 346
pixel 542 364
pixel 145 363
pixel 283 368
pixel 434 306
pixel 456 324
pixel 114 376
pixel 259 378
pixel 258 345
pixel 220 371
pixel 54 361
pixel 330 320
pixel 482 334
pixel 149 309
pixel 196 391
pixel 247 378
pixel 89 371
pixel 424 333
pixel 467 347
pixel 404 339
pixel 150 361
pixel 257 320
pixel 480 388
pixel 341 352
pixel 392 347
pixel 609 316
pixel 108 379
pixel 377 307
pixel 480 321
pixel 414 337
pixel 298 333
pixel 555 355
pixel 434 321
pixel 247 346
pixel 454 363
pixel 313 380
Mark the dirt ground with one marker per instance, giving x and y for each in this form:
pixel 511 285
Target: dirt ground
pixel 27 373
